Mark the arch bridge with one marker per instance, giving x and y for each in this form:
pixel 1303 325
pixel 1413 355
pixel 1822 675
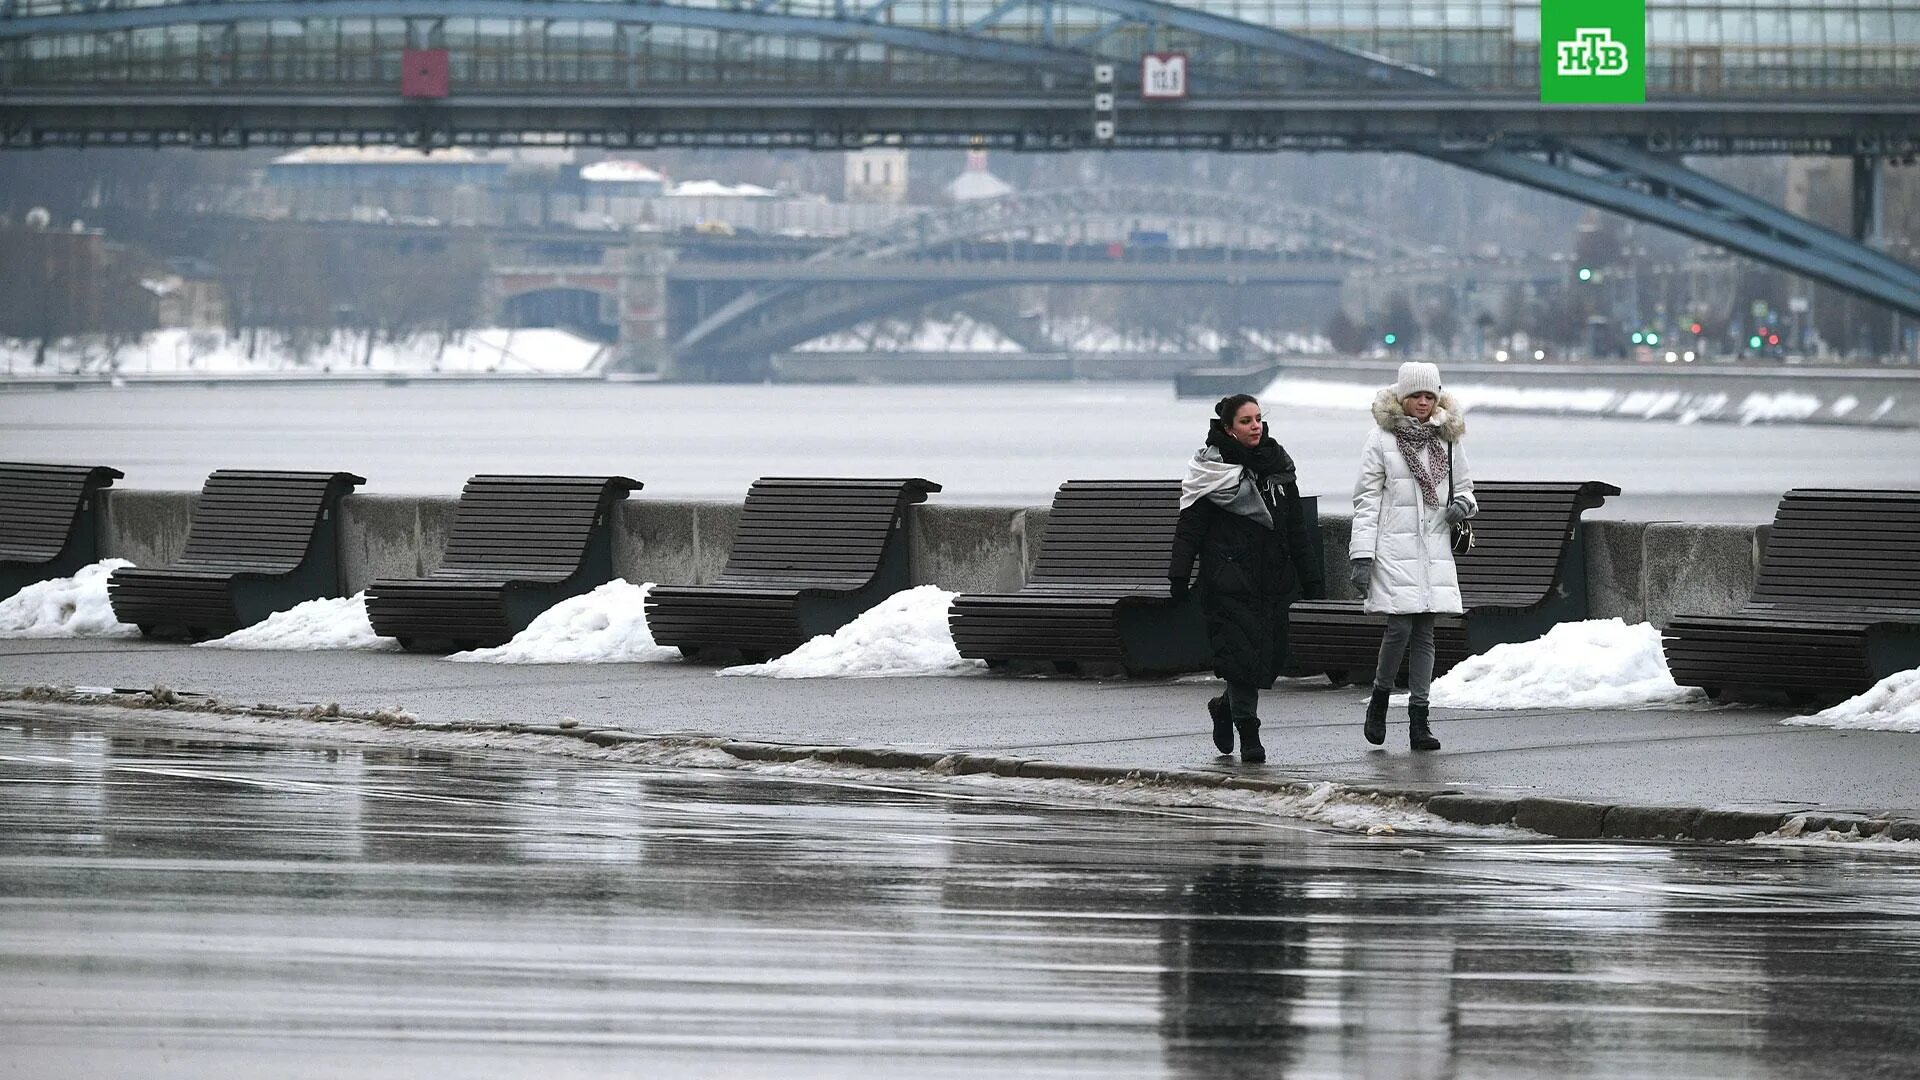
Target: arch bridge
pixel 1228 238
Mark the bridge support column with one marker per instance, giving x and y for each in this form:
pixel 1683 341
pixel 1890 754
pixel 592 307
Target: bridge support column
pixel 644 345
pixel 1866 199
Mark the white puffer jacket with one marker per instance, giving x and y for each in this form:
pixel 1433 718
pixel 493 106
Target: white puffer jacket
pixel 1407 539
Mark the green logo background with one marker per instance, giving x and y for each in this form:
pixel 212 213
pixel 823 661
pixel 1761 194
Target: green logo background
pixel 1625 24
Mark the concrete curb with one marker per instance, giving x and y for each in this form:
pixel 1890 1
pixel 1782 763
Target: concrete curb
pixel 1561 818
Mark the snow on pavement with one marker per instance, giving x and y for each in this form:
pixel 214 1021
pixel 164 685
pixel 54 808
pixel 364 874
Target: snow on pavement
pixel 1597 664
pixel 1892 704
pixel 605 626
pixel 330 622
pixel 68 607
pixel 905 634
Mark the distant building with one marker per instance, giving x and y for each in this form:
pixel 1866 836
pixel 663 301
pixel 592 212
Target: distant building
pixel 384 167
pixel 58 282
pixel 977 182
pixel 187 294
pixel 615 178
pixel 876 175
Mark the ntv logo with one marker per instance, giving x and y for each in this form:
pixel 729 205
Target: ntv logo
pixel 1592 52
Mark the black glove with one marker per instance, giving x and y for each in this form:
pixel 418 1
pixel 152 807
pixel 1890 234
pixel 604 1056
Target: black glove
pixel 1177 586
pixel 1456 512
pixel 1360 574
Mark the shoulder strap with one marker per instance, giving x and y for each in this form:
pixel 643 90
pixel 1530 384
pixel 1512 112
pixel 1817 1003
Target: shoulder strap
pixel 1449 472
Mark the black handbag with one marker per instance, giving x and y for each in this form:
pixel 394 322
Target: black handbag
pixel 1459 533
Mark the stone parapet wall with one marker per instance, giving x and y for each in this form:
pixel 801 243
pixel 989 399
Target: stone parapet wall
pixel 1637 571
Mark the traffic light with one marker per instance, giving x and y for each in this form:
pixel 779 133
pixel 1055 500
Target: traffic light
pixel 1753 342
pixel 1586 273
pixel 1653 338
pixel 1638 337
pixel 1694 329
pixel 1389 339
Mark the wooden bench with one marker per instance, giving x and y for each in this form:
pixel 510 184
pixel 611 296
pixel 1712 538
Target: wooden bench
pixel 49 521
pixel 1835 606
pixel 259 542
pixel 519 545
pixel 1098 594
pixel 1527 571
pixel 809 555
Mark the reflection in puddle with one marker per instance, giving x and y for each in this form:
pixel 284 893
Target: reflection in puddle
pixel 191 906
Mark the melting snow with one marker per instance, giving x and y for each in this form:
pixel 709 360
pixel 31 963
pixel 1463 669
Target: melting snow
pixel 331 622
pixel 605 626
pixel 1893 704
pixel 1683 407
pixel 905 634
pixel 1598 664
pixel 67 607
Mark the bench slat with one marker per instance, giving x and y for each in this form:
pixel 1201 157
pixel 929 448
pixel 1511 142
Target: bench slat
pixel 1836 565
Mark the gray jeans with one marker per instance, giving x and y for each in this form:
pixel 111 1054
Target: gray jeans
pixel 1393 647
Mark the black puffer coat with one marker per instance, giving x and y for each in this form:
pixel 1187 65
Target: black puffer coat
pixel 1249 573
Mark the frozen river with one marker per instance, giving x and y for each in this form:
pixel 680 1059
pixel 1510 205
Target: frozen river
pixel 989 444
pixel 195 905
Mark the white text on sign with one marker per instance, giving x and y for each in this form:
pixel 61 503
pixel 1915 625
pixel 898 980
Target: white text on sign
pixel 1163 76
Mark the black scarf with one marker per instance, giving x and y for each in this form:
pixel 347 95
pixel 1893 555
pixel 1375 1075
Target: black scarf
pixel 1268 460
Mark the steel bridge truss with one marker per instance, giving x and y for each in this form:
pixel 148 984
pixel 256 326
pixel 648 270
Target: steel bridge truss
pixel 1013 74
pixel 776 317
pixel 834 74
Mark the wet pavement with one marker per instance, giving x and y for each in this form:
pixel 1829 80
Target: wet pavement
pixel 177 905
pixel 1719 757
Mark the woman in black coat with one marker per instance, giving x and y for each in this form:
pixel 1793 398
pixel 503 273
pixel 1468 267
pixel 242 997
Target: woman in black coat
pixel 1240 514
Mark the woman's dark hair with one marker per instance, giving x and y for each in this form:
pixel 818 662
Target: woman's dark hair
pixel 1227 406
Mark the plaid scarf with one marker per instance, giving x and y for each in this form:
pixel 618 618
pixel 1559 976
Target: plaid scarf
pixel 1413 437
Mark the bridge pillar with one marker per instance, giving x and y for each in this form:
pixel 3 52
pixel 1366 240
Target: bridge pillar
pixel 1866 199
pixel 644 345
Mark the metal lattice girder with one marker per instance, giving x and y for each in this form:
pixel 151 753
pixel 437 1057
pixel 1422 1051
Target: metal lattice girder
pixel 1038 209
pixel 1681 182
pixel 846 29
pixel 1027 35
pixel 1650 189
pixel 816 312
pixel 1015 32
pixel 1026 211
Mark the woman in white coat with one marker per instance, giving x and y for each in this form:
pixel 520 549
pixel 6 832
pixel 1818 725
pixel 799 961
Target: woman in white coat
pixel 1413 484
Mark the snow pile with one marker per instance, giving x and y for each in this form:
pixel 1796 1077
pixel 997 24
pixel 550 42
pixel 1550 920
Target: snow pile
pixel 331 622
pixel 1684 407
pixel 714 189
pixel 1785 405
pixel 605 626
pixel 193 352
pixel 905 634
pixel 1598 664
pixel 1893 704
pixel 65 607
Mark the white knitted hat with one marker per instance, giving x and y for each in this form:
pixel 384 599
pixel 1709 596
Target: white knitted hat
pixel 1415 377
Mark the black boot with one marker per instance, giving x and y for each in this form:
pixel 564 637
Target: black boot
pixel 1222 723
pixel 1251 751
pixel 1418 734
pixel 1376 729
